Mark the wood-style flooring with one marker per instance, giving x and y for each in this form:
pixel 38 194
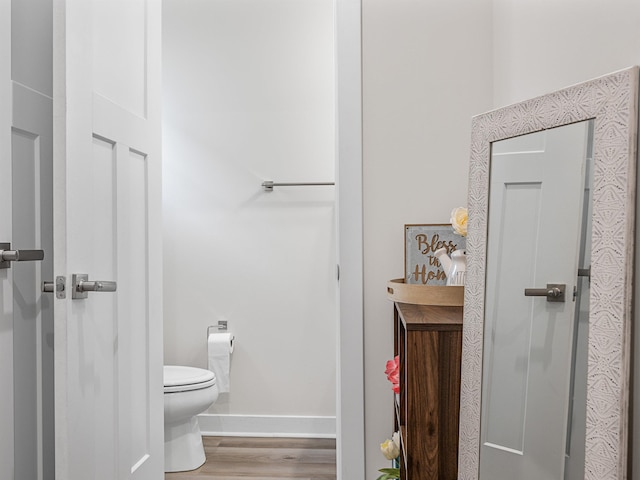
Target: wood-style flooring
pixel 231 458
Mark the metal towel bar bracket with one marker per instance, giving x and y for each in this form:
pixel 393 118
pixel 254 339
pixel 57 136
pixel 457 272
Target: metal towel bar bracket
pixel 268 184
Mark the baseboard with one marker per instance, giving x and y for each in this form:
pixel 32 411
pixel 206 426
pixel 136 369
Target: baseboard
pixel 267 426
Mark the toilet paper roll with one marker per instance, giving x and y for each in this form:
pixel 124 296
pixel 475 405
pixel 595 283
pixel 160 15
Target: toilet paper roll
pixel 220 348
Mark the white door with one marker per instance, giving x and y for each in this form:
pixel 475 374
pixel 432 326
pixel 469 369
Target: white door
pixel 26 401
pixel 537 184
pixel 6 285
pixel 108 365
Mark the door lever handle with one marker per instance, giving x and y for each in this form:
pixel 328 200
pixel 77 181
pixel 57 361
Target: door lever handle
pixel 96 286
pixel 7 255
pixel 81 286
pixel 554 292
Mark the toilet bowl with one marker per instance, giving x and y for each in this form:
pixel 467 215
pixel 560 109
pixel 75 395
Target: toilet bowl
pixel 188 391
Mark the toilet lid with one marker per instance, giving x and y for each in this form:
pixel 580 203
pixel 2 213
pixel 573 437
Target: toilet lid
pixel 179 378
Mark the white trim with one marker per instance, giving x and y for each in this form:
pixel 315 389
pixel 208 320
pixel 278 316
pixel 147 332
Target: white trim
pixel 267 426
pixel 350 362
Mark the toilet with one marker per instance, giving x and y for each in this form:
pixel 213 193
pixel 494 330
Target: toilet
pixel 188 391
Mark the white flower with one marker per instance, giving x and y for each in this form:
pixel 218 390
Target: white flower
pixel 459 217
pixel 390 449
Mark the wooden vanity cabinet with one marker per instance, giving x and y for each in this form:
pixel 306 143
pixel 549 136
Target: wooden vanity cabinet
pixel 428 340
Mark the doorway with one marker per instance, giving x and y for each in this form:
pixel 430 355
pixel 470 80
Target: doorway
pixel 349 334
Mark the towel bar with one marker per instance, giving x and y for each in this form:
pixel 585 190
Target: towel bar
pixel 268 184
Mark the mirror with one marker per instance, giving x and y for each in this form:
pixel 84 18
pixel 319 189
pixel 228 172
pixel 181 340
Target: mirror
pixel 538 196
pixel 517 375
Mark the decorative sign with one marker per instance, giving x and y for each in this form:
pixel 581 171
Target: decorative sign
pixel 421 241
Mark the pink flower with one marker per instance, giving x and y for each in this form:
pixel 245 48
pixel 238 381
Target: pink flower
pixel 393 373
pixel 392 366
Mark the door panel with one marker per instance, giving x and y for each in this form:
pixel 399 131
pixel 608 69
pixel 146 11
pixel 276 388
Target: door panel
pixel 506 401
pixel 536 190
pixel 120 26
pixel 132 210
pixel 26 315
pixel 32 220
pixel 110 153
pixel 103 308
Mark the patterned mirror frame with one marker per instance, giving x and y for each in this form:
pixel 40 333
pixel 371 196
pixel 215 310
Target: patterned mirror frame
pixel 611 101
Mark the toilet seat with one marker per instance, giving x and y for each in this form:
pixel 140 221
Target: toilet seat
pixel 184 379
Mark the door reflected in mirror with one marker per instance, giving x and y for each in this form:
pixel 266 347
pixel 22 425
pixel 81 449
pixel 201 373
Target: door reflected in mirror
pixel 534 365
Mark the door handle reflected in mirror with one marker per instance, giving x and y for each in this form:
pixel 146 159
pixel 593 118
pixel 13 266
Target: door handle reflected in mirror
pixel 554 292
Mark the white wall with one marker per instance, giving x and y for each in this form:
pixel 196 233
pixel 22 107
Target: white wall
pixel 544 45
pixel 249 96
pixel 426 70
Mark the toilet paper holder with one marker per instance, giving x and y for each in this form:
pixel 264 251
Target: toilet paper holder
pixel 221 327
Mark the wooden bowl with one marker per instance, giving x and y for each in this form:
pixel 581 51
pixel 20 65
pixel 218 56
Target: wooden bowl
pixel 401 292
